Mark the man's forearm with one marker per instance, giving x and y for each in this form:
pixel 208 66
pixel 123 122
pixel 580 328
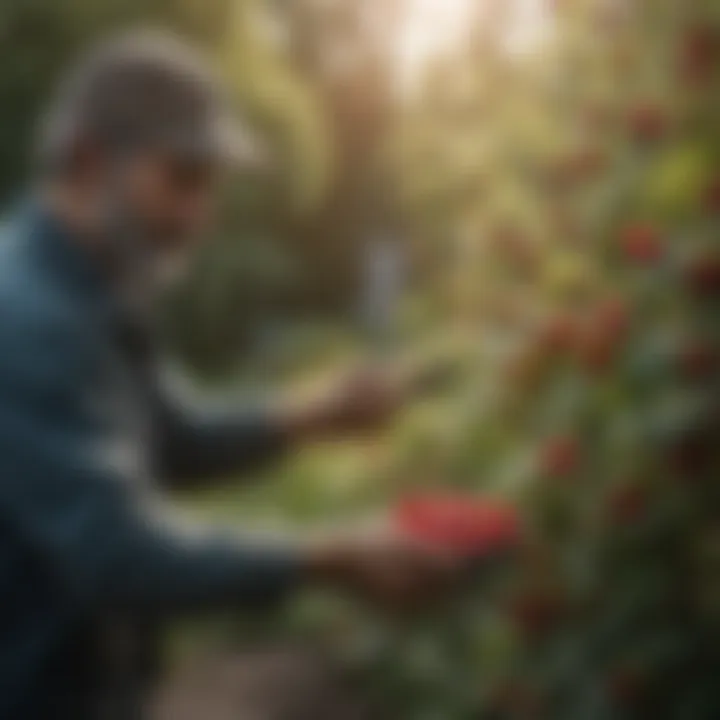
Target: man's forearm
pixel 197 446
pixel 201 448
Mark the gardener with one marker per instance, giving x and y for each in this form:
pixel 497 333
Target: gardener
pixel 129 158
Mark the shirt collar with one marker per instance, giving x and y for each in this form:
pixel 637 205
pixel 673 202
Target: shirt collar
pixel 57 244
pixel 74 263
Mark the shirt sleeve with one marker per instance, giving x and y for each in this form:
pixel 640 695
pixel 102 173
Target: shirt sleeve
pixel 67 500
pixel 199 443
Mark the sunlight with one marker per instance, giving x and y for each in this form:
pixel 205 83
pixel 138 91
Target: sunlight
pixel 433 27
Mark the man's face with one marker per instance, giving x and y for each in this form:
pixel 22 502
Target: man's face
pixel 166 202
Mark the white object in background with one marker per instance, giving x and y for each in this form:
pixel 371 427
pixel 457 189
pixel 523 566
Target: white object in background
pixel 383 288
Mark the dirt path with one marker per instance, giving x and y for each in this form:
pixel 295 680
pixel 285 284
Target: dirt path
pixel 275 684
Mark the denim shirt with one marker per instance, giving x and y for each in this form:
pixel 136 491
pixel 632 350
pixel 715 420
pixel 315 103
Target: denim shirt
pixel 86 437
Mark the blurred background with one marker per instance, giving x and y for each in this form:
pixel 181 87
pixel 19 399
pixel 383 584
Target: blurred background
pixel 529 191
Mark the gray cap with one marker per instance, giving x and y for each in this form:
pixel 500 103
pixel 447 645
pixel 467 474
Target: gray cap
pixel 148 89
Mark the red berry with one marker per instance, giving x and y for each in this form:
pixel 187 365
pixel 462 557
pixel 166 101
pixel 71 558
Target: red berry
pixel 702 274
pixel 612 317
pixel 642 244
pixel 560 457
pixel 606 329
pixel 597 354
pixel 626 505
pixel 649 123
pixel 698 54
pixel 559 334
pixel 698 360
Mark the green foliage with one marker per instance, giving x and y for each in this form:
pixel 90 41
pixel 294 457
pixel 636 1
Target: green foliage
pixel 566 205
pixel 586 238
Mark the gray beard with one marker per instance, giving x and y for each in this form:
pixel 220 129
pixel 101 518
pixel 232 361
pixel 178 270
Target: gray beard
pixel 142 274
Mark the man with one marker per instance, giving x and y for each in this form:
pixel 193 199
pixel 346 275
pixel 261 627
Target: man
pixel 132 149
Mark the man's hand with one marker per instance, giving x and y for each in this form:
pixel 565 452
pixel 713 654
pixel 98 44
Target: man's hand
pixel 386 569
pixel 365 401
